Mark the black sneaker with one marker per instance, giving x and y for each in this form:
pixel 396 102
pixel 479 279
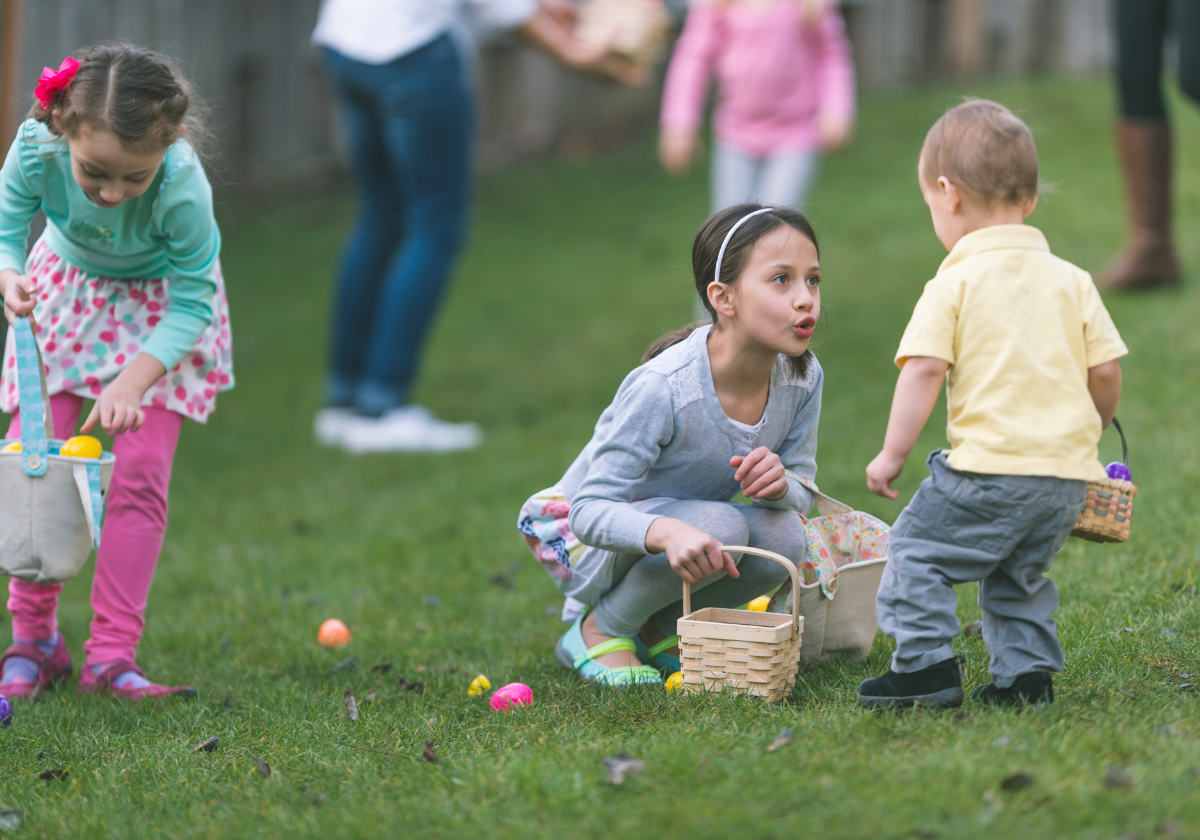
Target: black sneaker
pixel 938 686
pixel 1033 689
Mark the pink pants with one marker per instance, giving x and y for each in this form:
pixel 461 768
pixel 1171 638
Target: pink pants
pixel 135 521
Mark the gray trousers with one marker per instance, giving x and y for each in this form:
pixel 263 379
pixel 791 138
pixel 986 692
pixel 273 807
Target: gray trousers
pixel 1001 530
pixel 646 586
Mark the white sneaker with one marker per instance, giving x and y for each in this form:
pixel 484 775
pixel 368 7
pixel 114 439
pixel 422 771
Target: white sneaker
pixel 411 428
pixel 329 425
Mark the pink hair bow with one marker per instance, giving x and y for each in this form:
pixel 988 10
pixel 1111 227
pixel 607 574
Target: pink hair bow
pixel 52 83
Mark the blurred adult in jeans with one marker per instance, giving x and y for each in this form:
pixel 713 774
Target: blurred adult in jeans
pixel 1144 135
pixel 402 70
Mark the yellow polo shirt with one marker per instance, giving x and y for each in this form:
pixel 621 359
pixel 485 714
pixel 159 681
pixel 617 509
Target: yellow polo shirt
pixel 1020 328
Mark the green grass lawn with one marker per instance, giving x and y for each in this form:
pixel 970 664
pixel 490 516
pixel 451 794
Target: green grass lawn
pixel 573 268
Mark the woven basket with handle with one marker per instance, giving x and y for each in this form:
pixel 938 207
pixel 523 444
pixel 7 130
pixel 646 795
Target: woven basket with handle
pixel 748 652
pixel 1108 511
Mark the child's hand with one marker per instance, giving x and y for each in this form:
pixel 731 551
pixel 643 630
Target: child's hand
pixel 881 472
pixel 761 475
pixel 692 553
pixel 676 150
pixel 118 409
pixel 19 300
pixel 833 132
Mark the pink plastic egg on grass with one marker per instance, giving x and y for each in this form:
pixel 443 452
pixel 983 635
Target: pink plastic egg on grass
pixel 510 696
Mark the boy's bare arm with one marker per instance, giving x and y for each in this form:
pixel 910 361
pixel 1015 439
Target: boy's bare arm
pixel 1104 384
pixel 916 394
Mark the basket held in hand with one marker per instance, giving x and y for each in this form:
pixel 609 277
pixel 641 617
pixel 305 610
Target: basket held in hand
pixel 637 30
pixel 748 652
pixel 1108 511
pixel 847 552
pixel 51 506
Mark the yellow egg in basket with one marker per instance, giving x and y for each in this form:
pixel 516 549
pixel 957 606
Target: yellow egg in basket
pixel 81 446
pixel 15 446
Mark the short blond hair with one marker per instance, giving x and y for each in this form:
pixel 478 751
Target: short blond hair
pixel 985 148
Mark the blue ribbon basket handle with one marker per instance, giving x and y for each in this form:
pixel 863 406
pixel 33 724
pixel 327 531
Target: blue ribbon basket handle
pixel 37 423
pixel 37 427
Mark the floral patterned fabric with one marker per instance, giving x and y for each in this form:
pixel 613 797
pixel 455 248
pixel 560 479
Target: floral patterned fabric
pixel 833 542
pixel 543 523
pixel 92 327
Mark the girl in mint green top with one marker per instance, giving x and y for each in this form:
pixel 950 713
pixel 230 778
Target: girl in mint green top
pixel 125 293
pixel 167 231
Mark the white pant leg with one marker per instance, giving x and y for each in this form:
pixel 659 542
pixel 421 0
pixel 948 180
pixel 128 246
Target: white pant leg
pixel 786 177
pixel 736 177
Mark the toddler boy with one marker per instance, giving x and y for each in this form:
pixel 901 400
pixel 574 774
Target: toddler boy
pixel 1034 376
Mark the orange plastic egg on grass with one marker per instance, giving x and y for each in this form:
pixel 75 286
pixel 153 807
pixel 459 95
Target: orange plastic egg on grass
pixel 333 634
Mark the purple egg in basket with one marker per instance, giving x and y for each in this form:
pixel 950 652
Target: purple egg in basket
pixel 6 711
pixel 1118 471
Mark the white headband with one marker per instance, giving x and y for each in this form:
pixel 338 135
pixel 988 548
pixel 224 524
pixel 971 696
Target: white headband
pixel 728 236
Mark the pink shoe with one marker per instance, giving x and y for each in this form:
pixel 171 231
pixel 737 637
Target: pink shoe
pixel 93 683
pixel 52 669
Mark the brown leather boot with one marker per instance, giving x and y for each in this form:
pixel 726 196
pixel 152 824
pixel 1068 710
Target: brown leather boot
pixel 1148 260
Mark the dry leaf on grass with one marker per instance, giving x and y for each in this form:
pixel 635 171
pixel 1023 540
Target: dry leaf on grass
pixel 51 775
pixel 785 737
pixel 351 707
pixel 405 685
pixel 427 753
pixel 973 629
pixel 503 581
pixel 345 664
pixel 961 716
pixel 225 642
pixel 1117 777
pixel 261 766
pixel 1015 782
pixel 370 696
pixel 381 668
pixel 11 820
pixel 617 767
pixel 206 746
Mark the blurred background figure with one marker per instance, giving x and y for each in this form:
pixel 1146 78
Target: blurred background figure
pixel 402 71
pixel 1143 135
pixel 785 92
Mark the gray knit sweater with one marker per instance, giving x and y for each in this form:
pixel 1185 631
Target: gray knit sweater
pixel 665 434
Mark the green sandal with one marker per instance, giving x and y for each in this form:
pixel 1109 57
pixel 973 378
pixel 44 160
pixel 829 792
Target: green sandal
pixel 572 652
pixel 655 656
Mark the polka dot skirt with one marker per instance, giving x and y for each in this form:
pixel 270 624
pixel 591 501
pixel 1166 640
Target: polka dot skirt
pixel 93 326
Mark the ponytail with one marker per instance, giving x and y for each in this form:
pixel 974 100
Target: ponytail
pixel 668 340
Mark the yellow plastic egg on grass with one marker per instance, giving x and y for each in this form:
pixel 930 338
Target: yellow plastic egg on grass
pixel 15 446
pixel 760 603
pixel 479 685
pixel 81 446
pixel 674 682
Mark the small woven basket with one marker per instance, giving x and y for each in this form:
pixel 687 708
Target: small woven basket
pixel 1108 511
pixel 747 652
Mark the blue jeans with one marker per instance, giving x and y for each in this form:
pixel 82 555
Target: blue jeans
pixel 410 129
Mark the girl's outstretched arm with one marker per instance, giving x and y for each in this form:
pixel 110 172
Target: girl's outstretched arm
pixel 916 394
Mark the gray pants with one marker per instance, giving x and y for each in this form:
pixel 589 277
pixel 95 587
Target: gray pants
pixel 1001 530
pixel 780 178
pixel 646 586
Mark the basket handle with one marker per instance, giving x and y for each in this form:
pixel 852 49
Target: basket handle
pixel 1124 446
pixel 37 422
pixel 770 555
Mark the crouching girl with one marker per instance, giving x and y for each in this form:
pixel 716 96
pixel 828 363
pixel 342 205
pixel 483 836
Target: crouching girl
pixel 713 410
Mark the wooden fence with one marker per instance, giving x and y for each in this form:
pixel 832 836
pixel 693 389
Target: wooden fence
pixel 275 116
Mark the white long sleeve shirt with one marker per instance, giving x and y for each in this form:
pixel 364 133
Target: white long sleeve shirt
pixel 380 31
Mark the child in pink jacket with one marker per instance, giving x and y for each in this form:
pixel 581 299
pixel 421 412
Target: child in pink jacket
pixel 785 91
